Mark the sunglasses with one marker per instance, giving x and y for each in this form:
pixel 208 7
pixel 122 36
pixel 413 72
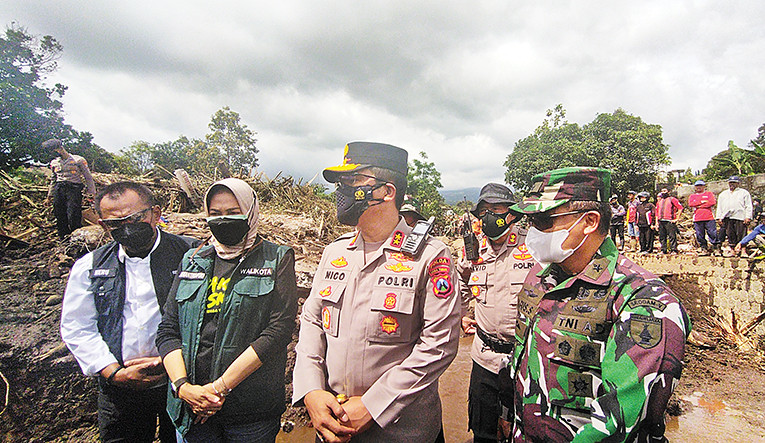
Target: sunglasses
pixel 544 222
pixel 352 180
pixel 135 217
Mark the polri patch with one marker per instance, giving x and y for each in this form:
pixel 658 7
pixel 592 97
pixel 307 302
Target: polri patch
pixel 257 272
pixel 398 267
pixel 645 331
pixel 186 275
pixel 440 277
pixel 390 301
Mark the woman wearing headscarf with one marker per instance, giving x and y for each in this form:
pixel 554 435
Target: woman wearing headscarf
pixel 226 325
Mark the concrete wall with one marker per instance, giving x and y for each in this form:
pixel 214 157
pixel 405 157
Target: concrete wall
pixel 714 285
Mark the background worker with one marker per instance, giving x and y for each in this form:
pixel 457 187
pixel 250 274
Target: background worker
pixel 410 210
pixel 668 209
pixel 70 176
pixel 381 324
pixel 493 281
pixel 734 211
pixel 617 221
pixel 702 202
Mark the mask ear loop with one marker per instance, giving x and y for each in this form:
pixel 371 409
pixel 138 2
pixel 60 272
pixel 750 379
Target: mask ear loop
pixel 376 201
pixel 572 227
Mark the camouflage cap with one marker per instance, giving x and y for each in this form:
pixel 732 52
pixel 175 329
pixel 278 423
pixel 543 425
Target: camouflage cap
pixel 412 206
pixel 557 187
pixel 359 155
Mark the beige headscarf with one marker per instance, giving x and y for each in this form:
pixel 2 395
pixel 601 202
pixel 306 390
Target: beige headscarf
pixel 248 203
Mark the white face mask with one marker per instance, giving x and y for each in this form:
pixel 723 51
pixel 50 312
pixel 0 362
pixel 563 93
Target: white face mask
pixel 547 247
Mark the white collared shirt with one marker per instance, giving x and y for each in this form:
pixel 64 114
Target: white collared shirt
pixel 141 314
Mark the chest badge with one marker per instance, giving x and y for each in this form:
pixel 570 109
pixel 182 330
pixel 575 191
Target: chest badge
pixel 326 292
pixel 521 253
pixel 390 301
pixel 389 324
pixel 326 318
pixel 398 267
pixel 475 290
pixel 400 256
pixel 339 262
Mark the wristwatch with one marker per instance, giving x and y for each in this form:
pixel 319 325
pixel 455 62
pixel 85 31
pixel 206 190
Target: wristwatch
pixel 176 385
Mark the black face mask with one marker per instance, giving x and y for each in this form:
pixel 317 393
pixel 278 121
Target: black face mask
pixel 134 237
pixel 352 201
pixel 494 225
pixel 228 231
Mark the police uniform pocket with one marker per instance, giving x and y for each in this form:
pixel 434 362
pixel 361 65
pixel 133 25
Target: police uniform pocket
pixel 390 318
pixel 478 285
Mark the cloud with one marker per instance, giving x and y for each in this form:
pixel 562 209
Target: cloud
pixel 461 81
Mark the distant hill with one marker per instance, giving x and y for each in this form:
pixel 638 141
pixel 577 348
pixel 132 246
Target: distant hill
pixel 456 195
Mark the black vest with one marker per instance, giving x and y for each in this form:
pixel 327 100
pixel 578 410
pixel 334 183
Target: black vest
pixel 107 283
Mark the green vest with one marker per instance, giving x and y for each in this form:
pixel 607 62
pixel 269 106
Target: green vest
pixel 243 316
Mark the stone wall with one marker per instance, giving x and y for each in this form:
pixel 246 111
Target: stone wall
pixel 714 285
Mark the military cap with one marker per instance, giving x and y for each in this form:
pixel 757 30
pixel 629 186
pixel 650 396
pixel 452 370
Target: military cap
pixel 557 187
pixel 494 193
pixel 614 197
pixel 359 155
pixel 734 179
pixel 700 183
pixel 412 206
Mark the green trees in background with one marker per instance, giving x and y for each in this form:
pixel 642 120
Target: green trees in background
pixel 632 149
pixel 738 161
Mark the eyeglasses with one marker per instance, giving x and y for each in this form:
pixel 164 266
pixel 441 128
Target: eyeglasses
pixel 354 179
pixel 544 222
pixel 135 217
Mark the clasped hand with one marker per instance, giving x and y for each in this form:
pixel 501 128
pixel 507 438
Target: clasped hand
pixel 336 423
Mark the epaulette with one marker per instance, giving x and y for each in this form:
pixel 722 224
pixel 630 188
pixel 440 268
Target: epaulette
pixel 345 236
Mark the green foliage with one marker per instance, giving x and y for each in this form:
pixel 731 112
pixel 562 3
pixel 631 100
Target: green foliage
pixel 423 183
pixel 30 113
pixel 735 161
pixel 619 141
pixel 233 140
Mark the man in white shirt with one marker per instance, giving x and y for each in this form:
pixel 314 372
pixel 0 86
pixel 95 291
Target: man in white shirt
pixel 111 311
pixel 734 211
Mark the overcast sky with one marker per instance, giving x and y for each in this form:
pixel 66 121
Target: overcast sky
pixel 461 81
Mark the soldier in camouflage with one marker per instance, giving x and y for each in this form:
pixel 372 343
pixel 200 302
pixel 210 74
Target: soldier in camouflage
pixel 600 341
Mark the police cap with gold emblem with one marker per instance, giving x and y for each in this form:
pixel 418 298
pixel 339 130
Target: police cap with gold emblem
pixel 359 155
pixel 557 187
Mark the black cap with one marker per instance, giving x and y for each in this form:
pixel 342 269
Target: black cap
pixel 494 193
pixel 359 155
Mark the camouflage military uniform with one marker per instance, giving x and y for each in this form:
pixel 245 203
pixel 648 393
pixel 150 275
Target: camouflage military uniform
pixel 600 352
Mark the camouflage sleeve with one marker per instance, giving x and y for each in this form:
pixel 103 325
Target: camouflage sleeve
pixel 641 366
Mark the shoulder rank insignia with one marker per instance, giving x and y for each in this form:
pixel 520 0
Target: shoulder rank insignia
pixel 512 239
pixel 397 240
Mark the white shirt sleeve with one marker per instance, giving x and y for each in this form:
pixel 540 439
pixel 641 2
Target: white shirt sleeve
pixel 79 327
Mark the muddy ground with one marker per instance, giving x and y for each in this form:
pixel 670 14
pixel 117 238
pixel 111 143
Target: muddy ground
pixel 50 400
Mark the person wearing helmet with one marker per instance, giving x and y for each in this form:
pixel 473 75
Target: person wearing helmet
pixel 492 281
pixel 646 221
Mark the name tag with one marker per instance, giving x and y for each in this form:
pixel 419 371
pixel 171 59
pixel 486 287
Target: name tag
pixel 96 273
pixel 333 275
pixel 186 275
pixel 257 272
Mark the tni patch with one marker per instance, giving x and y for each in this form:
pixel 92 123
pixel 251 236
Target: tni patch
pixel 645 331
pixel 579 385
